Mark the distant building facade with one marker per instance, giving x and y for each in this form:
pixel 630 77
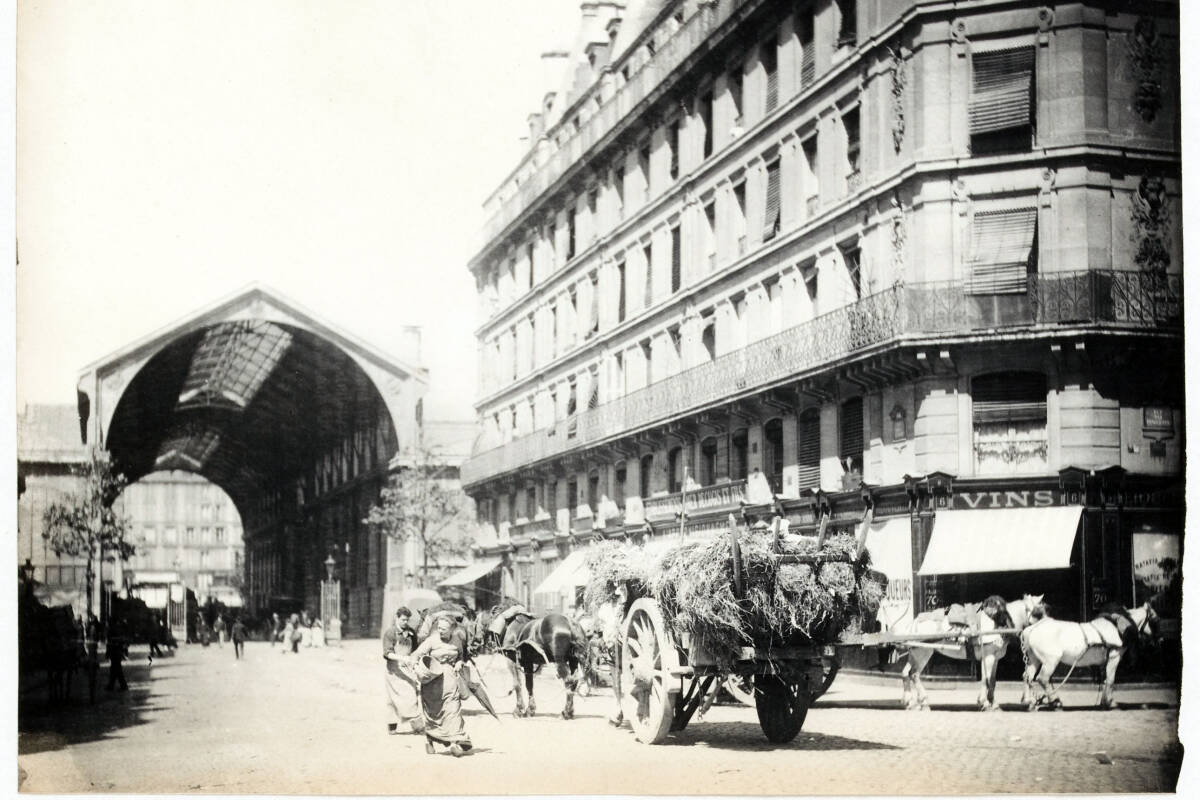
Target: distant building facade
pixel 886 266
pixel 179 523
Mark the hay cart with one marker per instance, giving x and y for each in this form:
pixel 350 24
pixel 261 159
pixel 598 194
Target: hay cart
pixel 665 677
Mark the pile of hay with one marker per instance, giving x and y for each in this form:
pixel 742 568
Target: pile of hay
pixel 782 603
pixel 612 564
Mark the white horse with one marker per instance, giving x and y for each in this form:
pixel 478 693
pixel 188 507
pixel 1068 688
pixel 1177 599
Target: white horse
pixel 1049 642
pixel 987 649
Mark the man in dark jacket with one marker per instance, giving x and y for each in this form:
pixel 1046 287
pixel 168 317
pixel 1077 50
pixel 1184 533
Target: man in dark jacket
pixel 239 637
pixel 116 655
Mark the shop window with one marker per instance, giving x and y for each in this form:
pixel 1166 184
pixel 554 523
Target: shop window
pixel 572 496
pixel 619 476
pixel 1002 106
pixel 773 454
pixel 850 441
pixel 708 461
pixel 1009 418
pixel 675 469
pixel 645 473
pixel 738 449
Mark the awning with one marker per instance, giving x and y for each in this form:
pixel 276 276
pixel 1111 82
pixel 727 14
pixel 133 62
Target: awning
pixel 570 573
pixel 471 573
pixel 1001 540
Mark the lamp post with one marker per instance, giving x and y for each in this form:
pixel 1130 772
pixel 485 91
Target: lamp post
pixel 331 603
pixel 27 576
pixel 329 565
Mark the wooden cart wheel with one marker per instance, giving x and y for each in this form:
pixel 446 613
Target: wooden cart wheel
pixel 741 688
pixel 781 707
pixel 830 666
pixel 647 656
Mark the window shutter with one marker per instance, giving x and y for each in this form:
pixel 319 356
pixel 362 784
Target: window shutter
pixel 1001 90
pixel 851 423
pixel 1001 250
pixel 771 68
pixel 771 217
pixel 808 61
pixel 808 449
pixel 1009 397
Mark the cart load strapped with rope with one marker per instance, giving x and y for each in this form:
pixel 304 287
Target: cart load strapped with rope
pixel 757 603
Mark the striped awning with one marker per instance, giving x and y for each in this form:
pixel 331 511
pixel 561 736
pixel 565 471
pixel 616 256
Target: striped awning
pixel 1001 247
pixel 1001 540
pixel 1001 90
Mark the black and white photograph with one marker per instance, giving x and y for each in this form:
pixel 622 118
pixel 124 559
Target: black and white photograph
pixel 599 397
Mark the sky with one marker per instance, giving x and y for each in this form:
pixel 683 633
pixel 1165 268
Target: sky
pixel 171 153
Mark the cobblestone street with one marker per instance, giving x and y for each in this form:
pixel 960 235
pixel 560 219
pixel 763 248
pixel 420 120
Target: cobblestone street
pixel 313 724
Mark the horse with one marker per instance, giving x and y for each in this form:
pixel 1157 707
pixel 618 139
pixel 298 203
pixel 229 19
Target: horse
pixel 988 649
pixel 1103 641
pixel 530 642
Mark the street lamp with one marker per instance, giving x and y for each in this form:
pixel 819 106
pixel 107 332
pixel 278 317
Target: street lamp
pixel 329 565
pixel 27 575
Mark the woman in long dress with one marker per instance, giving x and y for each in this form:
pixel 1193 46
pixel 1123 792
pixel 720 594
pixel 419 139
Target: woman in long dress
pixel 434 666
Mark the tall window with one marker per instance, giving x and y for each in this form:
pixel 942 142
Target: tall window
pixel 808 55
pixel 1002 107
pixel 770 63
pixel 850 438
pixel 619 477
pixel 1003 251
pixel 708 337
pixel 570 233
pixel 621 291
pixel 648 359
pixel 850 123
pixel 529 258
pixel 552 238
pixel 645 473
pixel 594 493
pixel 530 501
pixel 552 498
pixel 1008 410
pixel 808 448
pixel 673 146
pixel 708 462
pixel 738 449
pixel 619 189
pixel 676 261
pixel 594 306
pixel 811 179
pixel 644 166
pixel 773 454
pixel 848 25
pixel 710 235
pixel 735 94
pixel 739 199
pixel 706 119
pixel 648 259
pixel 852 257
pixel 572 496
pixel 771 214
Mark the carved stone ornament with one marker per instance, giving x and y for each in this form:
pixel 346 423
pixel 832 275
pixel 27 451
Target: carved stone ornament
pixel 1045 19
pixel 899 240
pixel 899 75
pixel 1151 225
pixel 959 189
pixel 1146 58
pixel 958 31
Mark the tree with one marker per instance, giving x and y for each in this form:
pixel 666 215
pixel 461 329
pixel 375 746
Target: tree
pixel 423 503
pixel 86 523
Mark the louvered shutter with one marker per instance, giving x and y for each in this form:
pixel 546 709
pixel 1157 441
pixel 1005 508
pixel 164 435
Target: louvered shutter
pixel 1001 90
pixel 1009 397
pixel 808 61
pixel 771 218
pixel 771 67
pixel 808 449
pixel 1001 250
pixel 851 424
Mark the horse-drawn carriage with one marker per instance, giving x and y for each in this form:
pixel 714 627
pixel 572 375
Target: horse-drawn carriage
pixel 665 675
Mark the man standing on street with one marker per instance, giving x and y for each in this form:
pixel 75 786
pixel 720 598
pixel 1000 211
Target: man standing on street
pixel 275 627
pixel 116 654
pixel 239 637
pixel 398 641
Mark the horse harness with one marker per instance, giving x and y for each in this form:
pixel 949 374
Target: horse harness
pixel 1091 642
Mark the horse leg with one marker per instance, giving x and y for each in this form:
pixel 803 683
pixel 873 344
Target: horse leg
pixel 513 670
pixel 532 707
pixel 1043 678
pixel 566 674
pixel 1107 699
pixel 906 699
pixel 987 688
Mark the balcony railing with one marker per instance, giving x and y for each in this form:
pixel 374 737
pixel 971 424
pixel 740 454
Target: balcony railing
pixel 669 55
pixel 1112 299
pixel 537 527
pixel 721 495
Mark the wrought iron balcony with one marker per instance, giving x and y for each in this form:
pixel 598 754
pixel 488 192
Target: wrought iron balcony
pixel 722 495
pixel 1107 299
pixel 640 85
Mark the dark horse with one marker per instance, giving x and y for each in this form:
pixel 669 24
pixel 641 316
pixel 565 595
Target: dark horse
pixel 530 642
